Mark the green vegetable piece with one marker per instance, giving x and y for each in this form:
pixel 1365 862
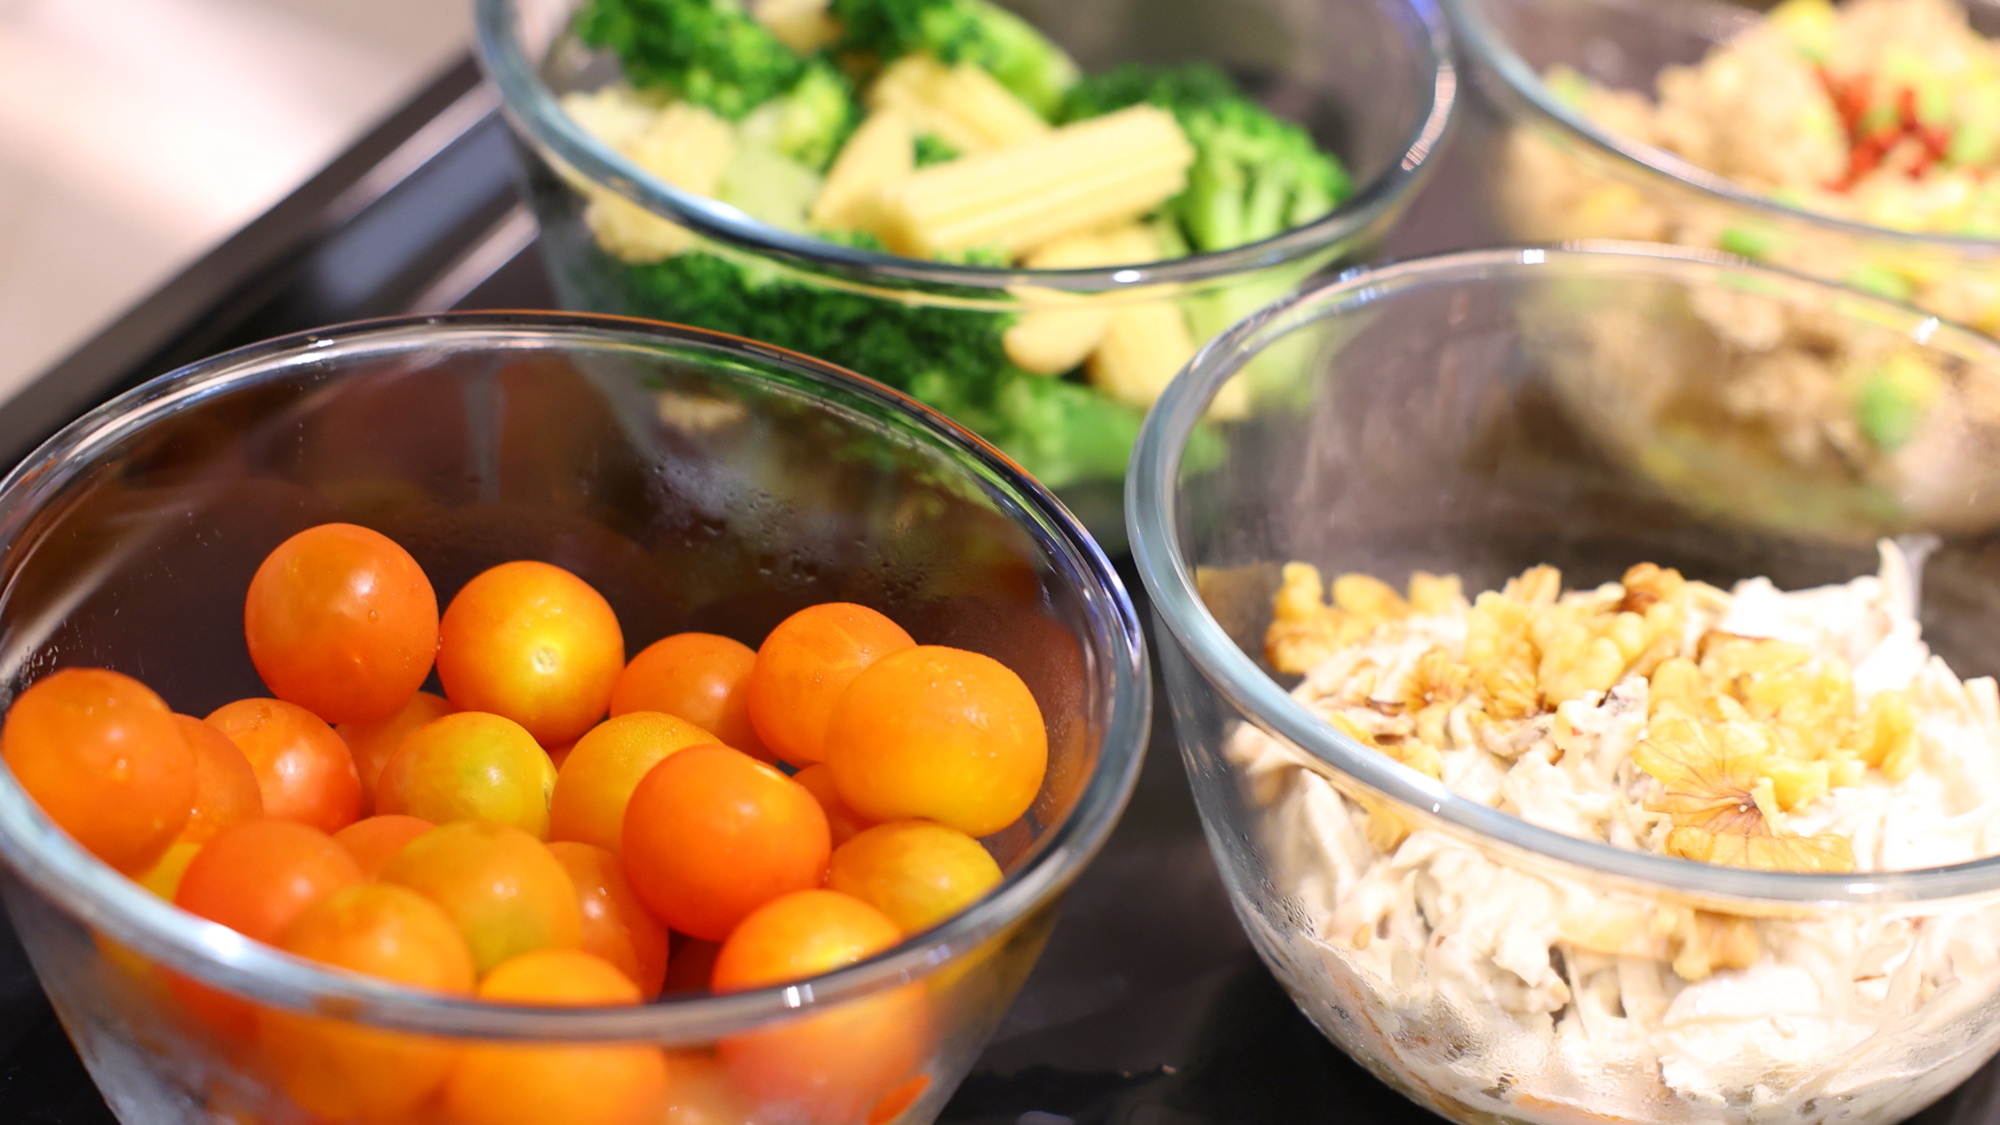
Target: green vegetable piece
pixel 933 149
pixel 708 52
pixel 1894 400
pixel 1810 25
pixel 1568 85
pixel 1748 241
pixel 1882 282
pixel 811 122
pixel 768 186
pixel 1255 175
pixel 1021 58
pixel 951 359
pixel 1973 144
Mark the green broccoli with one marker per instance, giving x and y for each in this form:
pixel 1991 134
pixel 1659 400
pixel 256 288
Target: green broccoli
pixel 933 149
pixel 810 122
pixel 1255 175
pixel 708 52
pixel 949 358
pixel 974 31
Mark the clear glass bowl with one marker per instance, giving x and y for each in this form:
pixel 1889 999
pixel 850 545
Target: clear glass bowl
pixel 699 482
pixel 1456 415
pixel 1557 176
pixel 1373 79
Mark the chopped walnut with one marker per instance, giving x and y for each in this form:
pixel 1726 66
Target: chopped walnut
pixel 1724 810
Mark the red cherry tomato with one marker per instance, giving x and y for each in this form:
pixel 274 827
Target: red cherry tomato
pixel 804 665
pixel 616 926
pixel 344 1070
pixel 225 787
pixel 843 821
pixel 375 840
pixel 341 621
pixel 255 878
pixel 712 833
pixel 105 759
pixel 304 771
pixel 699 677
pixel 833 1065
pixel 576 1084
pixel 534 643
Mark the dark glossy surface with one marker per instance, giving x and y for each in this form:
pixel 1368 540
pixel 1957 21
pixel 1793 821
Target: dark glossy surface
pixel 1148 1006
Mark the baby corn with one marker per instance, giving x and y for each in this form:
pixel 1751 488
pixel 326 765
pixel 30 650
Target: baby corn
pixel 802 25
pixel 1064 328
pixel 963 105
pixel 881 154
pixel 1091 174
pixel 1112 246
pixel 686 146
pixel 1144 347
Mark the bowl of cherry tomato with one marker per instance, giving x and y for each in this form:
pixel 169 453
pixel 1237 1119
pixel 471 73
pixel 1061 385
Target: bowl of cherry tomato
pixel 521 718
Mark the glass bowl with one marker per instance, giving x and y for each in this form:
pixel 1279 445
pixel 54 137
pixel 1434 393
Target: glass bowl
pixel 699 482
pixel 1373 79
pixel 1452 415
pixel 1556 175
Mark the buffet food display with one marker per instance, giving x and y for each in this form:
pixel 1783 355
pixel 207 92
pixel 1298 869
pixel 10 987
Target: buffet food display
pixel 477 861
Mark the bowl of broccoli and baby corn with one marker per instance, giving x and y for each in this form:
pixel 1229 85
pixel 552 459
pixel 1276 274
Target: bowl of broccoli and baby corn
pixel 1027 217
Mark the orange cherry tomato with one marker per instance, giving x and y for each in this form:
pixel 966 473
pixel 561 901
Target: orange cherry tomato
pixel 616 926
pixel 105 760
pixel 914 871
pixel 842 821
pixel 374 840
pixel 576 1084
pixel 507 894
pixel 341 621
pixel 712 834
pixel 699 1091
pixel 602 769
pixel 470 766
pixel 258 876
pixel 373 744
pixel 699 677
pixel 255 878
pixel 225 787
pixel 535 643
pixel 304 771
pixel 832 1065
pixel 939 733
pixel 804 665
pixel 343 1070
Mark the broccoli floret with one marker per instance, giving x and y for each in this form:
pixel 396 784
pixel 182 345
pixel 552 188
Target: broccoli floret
pixel 708 52
pixel 1255 175
pixel 933 149
pixel 811 122
pixel 949 358
pixel 973 31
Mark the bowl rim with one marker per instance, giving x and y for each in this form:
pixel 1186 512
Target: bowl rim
pixel 1152 489
pixel 538 118
pixel 1530 96
pixel 74 881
